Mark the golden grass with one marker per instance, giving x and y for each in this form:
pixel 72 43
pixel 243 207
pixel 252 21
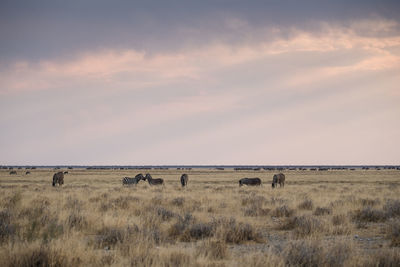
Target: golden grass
pixel 321 218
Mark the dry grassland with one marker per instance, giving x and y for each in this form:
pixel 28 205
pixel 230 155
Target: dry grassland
pixel 320 218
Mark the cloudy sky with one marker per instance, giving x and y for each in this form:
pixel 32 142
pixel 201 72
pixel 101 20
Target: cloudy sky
pixel 199 82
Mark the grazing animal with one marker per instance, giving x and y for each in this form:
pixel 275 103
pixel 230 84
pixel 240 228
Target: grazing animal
pixel 278 179
pixel 58 178
pixel 13 172
pixel 152 181
pixel 184 179
pixel 66 172
pixel 130 181
pixel 28 172
pixel 250 181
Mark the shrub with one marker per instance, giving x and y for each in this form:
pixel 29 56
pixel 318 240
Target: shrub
pixel 302 225
pixel 35 255
pixel 338 219
pixel 392 208
pixel 384 258
pixel 200 230
pixel 253 200
pixel 177 259
pixel 369 202
pixel 7 229
pixel 254 211
pixel 306 205
pixel 232 232
pixel 393 233
pixel 123 202
pixel 282 211
pixel 337 254
pixel 13 201
pixel 179 227
pixel 74 204
pixel 76 220
pixel 179 201
pixel 322 211
pixel 369 215
pixel 53 230
pixel 215 250
pixel 164 214
pixel 108 237
pixel 303 253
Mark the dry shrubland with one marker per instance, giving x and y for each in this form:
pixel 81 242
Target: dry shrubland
pixel 330 218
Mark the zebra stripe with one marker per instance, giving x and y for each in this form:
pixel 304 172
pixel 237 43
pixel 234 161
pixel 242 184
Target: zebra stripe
pixel 130 181
pixel 157 181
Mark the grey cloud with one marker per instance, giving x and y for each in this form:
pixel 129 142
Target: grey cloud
pixel 37 30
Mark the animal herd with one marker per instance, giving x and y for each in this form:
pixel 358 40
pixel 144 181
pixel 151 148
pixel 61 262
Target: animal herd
pixel 276 179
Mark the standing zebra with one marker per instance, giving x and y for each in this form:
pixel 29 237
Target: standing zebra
pixel 152 181
pixel 130 181
pixel 58 178
pixel 184 179
pixel 278 179
pixel 250 181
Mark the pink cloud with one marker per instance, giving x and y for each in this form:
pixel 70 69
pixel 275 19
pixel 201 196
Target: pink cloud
pixel 142 70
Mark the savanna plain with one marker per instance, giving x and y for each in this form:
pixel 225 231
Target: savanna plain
pixel 319 218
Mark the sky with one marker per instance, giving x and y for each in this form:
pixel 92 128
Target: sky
pixel 223 82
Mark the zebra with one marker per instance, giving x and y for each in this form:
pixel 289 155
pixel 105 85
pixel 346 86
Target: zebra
pixel 13 172
pixel 130 181
pixel 250 181
pixel 278 179
pixel 184 179
pixel 58 177
pixel 152 181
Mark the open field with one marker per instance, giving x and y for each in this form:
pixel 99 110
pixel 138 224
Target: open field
pixel 320 218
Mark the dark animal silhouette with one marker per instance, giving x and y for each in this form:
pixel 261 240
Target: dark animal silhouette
pixel 130 181
pixel 13 172
pixel 58 178
pixel 152 181
pixel 184 179
pixel 278 179
pixel 250 181
pixel 66 172
pixel 28 173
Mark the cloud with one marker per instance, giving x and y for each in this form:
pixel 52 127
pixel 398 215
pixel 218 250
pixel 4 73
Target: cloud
pixel 297 97
pixel 138 69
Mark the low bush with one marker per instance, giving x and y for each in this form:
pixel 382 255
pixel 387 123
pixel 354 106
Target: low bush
pixel 109 237
pixel 393 233
pixel 384 258
pixel 179 201
pixel 392 208
pixel 200 231
pixel 215 250
pixel 369 202
pixel 76 220
pixel 282 211
pixel 7 228
pixel 322 211
pixel 306 205
pixel 303 253
pixel 254 211
pixel 338 219
pixel 302 225
pixel 368 214
pixel 253 200
pixel 232 232
pixel 35 255
pixel 164 214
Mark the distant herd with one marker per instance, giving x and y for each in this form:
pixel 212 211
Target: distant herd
pixel 58 178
